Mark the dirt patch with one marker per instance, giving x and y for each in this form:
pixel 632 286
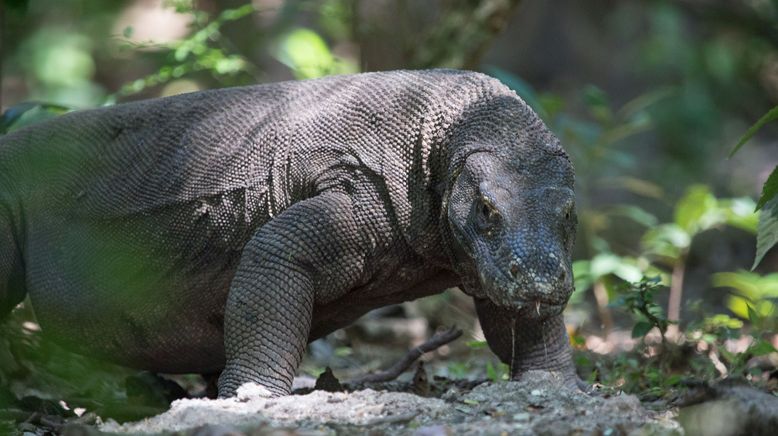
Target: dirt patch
pixel 539 404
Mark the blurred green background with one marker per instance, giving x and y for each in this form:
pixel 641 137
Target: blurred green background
pixel 649 97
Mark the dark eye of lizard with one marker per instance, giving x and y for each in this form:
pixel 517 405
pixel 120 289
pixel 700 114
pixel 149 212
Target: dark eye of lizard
pixel 488 213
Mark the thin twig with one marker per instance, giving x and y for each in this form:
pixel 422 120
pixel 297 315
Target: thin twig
pixel 436 341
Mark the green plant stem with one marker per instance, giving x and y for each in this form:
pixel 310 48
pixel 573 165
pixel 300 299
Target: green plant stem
pixel 601 296
pixel 676 293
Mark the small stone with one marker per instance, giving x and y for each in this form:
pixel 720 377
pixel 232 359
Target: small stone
pixel 521 417
pixel 251 391
pixel 433 430
pixel 536 392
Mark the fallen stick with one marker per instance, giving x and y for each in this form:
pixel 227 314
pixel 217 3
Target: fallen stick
pixel 436 341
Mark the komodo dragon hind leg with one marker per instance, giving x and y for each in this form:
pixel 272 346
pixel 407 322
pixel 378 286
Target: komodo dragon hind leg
pixel 12 290
pixel 311 252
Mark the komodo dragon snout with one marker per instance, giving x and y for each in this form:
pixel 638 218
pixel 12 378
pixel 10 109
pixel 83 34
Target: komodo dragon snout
pixel 517 230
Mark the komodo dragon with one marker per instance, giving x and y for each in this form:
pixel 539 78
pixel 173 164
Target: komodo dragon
pixel 225 229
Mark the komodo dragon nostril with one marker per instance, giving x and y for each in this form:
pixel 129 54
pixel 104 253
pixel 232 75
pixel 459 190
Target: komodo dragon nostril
pixel 514 269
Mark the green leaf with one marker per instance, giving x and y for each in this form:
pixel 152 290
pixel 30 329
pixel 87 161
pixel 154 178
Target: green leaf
pixel 307 54
pixel 767 233
pixel 645 101
pixel 491 372
pixel 476 345
pixel 641 328
pixel 666 240
pixel 696 210
pixel 738 305
pixel 749 284
pixel 344 351
pixel 769 190
pixel 609 263
pixel 739 212
pixel 761 348
pixel 722 321
pixel 237 13
pixel 753 317
pixel 637 214
pixel 771 115
pixel 597 101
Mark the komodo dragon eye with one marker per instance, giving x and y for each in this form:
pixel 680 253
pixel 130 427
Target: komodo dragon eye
pixel 488 214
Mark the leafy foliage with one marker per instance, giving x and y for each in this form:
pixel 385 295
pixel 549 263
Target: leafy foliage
pixel 697 211
pixel 308 56
pixel 767 233
pixel 754 298
pixel 198 52
pixel 638 298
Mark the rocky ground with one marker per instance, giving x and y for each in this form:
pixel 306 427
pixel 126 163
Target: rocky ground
pixel 539 404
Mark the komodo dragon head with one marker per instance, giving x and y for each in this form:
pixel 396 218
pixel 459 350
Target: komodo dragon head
pixel 511 212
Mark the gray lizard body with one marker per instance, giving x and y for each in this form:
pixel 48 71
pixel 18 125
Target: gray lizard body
pixel 225 229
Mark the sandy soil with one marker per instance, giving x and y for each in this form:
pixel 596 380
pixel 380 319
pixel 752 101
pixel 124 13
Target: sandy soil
pixel 538 404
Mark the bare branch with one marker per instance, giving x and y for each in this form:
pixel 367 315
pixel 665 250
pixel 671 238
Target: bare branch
pixel 436 341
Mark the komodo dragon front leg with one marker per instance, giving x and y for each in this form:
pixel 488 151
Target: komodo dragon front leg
pixel 527 344
pixel 311 253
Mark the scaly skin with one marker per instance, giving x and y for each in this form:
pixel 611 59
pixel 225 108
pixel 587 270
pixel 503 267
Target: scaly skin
pixel 225 229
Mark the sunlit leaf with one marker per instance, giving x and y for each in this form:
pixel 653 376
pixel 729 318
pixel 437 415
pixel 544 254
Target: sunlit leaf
pixel 667 240
pixel 622 267
pixel 722 320
pixel 745 309
pixel 752 315
pixel 476 345
pixel 308 55
pixel 696 210
pixel 750 284
pixel 237 13
pixel 738 306
pixel 739 212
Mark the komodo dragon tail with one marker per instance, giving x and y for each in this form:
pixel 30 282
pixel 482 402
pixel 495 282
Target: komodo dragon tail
pixel 12 290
